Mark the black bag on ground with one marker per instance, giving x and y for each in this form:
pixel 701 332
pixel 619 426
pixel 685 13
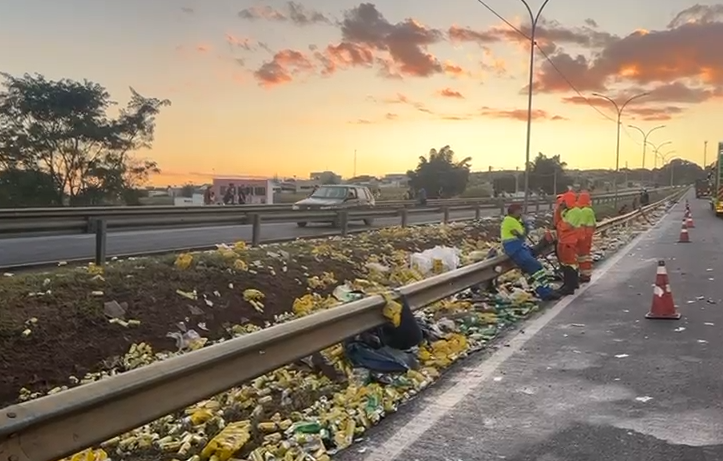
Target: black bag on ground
pixel 407 335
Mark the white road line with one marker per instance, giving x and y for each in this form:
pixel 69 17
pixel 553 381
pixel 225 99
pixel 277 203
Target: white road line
pixel 477 375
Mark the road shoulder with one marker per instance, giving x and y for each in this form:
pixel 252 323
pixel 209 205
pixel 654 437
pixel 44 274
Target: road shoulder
pixel 598 382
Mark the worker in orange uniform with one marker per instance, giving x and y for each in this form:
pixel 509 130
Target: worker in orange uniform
pixel 586 232
pixel 567 238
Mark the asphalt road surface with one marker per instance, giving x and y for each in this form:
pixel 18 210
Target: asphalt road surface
pixel 591 379
pixel 21 251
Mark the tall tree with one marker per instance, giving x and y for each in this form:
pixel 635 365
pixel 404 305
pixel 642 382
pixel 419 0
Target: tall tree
pixel 62 128
pixel 27 188
pixel 440 174
pixel 505 183
pixel 548 174
pixel 679 172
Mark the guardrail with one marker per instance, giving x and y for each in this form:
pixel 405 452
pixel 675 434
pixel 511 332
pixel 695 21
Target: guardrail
pixel 123 218
pixel 83 220
pixel 59 425
pixel 157 210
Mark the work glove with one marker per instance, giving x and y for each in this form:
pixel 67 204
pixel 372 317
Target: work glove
pixel 528 222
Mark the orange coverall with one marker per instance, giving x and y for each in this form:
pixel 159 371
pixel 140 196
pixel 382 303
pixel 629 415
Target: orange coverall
pixel 585 236
pixel 567 234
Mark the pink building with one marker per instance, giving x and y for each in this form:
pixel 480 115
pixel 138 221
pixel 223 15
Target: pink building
pixel 257 191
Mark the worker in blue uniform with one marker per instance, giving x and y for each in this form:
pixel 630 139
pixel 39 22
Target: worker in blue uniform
pixel 513 235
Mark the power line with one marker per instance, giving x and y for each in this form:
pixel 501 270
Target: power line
pixel 554 66
pixel 569 83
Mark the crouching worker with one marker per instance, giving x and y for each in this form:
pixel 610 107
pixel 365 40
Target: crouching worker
pixel 513 234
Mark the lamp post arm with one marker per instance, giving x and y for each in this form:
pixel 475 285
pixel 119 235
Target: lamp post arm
pixel 617 108
pixel 631 99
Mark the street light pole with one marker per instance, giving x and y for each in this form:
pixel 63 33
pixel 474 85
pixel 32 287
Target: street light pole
pixel 645 141
pixel 705 155
pixel 672 168
pixel 664 157
pixel 534 18
pixel 619 110
pixel 656 151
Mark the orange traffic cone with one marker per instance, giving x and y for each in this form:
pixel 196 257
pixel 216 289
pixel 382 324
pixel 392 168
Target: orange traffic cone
pixel 689 219
pixel 684 237
pixel 663 306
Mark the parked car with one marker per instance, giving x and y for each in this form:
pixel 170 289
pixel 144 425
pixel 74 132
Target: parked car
pixel 337 197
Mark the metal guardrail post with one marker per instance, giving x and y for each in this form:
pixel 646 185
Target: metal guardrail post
pixel 477 213
pixel 343 220
pixel 90 229
pixel 255 229
pixel 101 234
pixel 537 206
pixel 445 215
pixel 501 204
pixel 405 217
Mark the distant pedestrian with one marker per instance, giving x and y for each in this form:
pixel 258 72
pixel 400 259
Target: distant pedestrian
pixel 422 196
pixel 644 198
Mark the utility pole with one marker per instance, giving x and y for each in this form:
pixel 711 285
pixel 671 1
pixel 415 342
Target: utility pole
pixel 626 175
pixel 645 144
pixel 705 155
pixel 619 109
pixel 554 183
pixel 517 180
pixel 355 163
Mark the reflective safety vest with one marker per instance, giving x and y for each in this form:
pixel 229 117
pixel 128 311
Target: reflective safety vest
pixel 587 220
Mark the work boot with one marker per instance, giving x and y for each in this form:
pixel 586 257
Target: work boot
pixel 569 280
pixel 575 275
pixel 584 278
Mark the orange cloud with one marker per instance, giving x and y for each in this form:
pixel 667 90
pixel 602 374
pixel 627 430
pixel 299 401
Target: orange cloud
pixel 450 93
pixel 282 68
pixel 368 39
pixel 547 35
pixel 676 92
pixel 344 56
pixel 686 53
pixel 453 69
pixel 519 114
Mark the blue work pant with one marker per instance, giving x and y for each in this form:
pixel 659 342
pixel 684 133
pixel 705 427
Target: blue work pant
pixel 521 255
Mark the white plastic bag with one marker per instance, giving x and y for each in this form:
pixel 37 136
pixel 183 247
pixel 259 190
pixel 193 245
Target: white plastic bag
pixel 435 260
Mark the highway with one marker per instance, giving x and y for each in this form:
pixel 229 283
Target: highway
pixel 22 251
pixel 591 379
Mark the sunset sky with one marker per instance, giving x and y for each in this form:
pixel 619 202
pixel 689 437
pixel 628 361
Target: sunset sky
pixel 278 87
